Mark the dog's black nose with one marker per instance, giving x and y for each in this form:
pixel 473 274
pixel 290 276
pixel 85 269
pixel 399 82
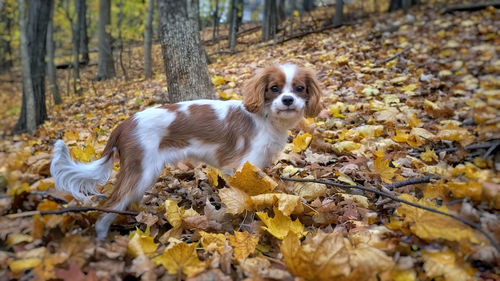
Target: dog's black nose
pixel 287 100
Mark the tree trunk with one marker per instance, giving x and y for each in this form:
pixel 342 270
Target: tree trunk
pixel 38 18
pixel 51 68
pixel 183 54
pixel 29 112
pixel 215 27
pixel 232 26
pixel 337 19
pixel 308 5
pixel 239 19
pixel 84 38
pixel 148 39
pixel 106 63
pixel 76 46
pixel 401 4
pixel 120 38
pixel 270 23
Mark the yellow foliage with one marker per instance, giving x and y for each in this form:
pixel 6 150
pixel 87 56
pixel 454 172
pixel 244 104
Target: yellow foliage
pixel 243 244
pixel 309 190
pixel 236 201
pixel 428 225
pixel 471 189
pixel 141 243
pixel 213 241
pixel 175 215
pixel 252 180
pixel 280 225
pixel 181 257
pixel 382 168
pixel 429 155
pixel 286 203
pixel 301 142
pixel 18 266
pixel 16 238
pixel 445 264
pixel 330 256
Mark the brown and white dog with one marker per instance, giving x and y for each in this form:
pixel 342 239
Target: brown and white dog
pixel 224 134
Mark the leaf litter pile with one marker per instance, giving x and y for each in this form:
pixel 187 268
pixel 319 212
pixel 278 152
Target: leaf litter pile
pixel 417 102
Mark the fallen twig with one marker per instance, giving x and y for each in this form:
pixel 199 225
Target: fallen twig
pixel 71 210
pixel 470 7
pixel 395 198
pixel 425 179
pixel 395 56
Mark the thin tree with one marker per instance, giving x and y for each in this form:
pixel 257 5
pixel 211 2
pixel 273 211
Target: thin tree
pixel 51 68
pixel 148 39
pixel 105 63
pixel 215 27
pixel 120 37
pixel 338 17
pixel 36 36
pixel 233 18
pixel 84 37
pixel 28 95
pixel 76 45
pixel 270 20
pixel 401 4
pixel 183 55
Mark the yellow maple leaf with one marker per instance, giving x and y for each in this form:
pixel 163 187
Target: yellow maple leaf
pixel 181 257
pixel 365 132
pixel 218 80
pixel 301 142
pixel 471 189
pixel 445 264
pixel 401 136
pixel 236 201
pixel 243 244
pixel 252 180
pixel 286 203
pixel 18 266
pixel 429 155
pixel 428 225
pixel 419 136
pixel 413 121
pixel 383 169
pixel 175 214
pixel 330 256
pixel 71 136
pixel 345 146
pixel 16 238
pixel 213 175
pixel 280 225
pixel 141 243
pixel 309 190
pixel 213 241
pixel 83 155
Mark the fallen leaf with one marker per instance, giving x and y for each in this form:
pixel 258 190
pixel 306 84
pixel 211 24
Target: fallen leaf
pixel 236 201
pixel 243 244
pixel 252 180
pixel 181 257
pixel 280 225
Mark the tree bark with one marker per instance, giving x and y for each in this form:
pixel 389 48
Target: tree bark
pixel 215 28
pixel 38 18
pixel 120 38
pixel 51 68
pixel 337 19
pixel 401 4
pixel 232 26
pixel 28 95
pixel 105 64
pixel 270 20
pixel 84 38
pixel 183 54
pixel 148 39
pixel 76 46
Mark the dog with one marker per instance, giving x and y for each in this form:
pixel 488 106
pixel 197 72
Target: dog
pixel 224 134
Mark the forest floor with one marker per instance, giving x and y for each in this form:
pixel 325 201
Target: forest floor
pixel 419 100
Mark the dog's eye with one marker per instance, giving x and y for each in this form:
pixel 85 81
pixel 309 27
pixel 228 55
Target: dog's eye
pixel 299 89
pixel 275 89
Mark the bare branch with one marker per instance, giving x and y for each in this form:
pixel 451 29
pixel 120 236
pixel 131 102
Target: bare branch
pixel 71 210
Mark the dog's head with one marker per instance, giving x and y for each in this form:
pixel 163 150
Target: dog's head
pixel 288 92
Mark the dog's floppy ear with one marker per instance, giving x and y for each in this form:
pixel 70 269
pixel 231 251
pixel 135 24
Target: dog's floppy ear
pixel 314 105
pixel 254 91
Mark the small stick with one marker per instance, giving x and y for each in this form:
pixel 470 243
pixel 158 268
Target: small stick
pixel 72 210
pixel 395 56
pixel 425 179
pixel 393 197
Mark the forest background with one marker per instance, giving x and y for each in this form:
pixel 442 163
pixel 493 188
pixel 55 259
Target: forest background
pixel 399 172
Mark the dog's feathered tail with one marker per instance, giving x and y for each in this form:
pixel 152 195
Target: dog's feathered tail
pixel 80 179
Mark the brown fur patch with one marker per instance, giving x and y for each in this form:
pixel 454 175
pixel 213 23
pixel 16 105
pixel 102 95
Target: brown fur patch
pixel 312 93
pixel 130 154
pixel 257 90
pixel 203 125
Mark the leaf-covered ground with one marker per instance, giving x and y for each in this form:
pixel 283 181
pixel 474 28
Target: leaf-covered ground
pixel 420 100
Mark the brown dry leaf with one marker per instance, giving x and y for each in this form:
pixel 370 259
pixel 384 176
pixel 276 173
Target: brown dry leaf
pixel 330 256
pixel 146 218
pixel 243 244
pixel 286 203
pixel 144 268
pixel 445 264
pixel 309 190
pixel 252 180
pixel 236 201
pixel 429 226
